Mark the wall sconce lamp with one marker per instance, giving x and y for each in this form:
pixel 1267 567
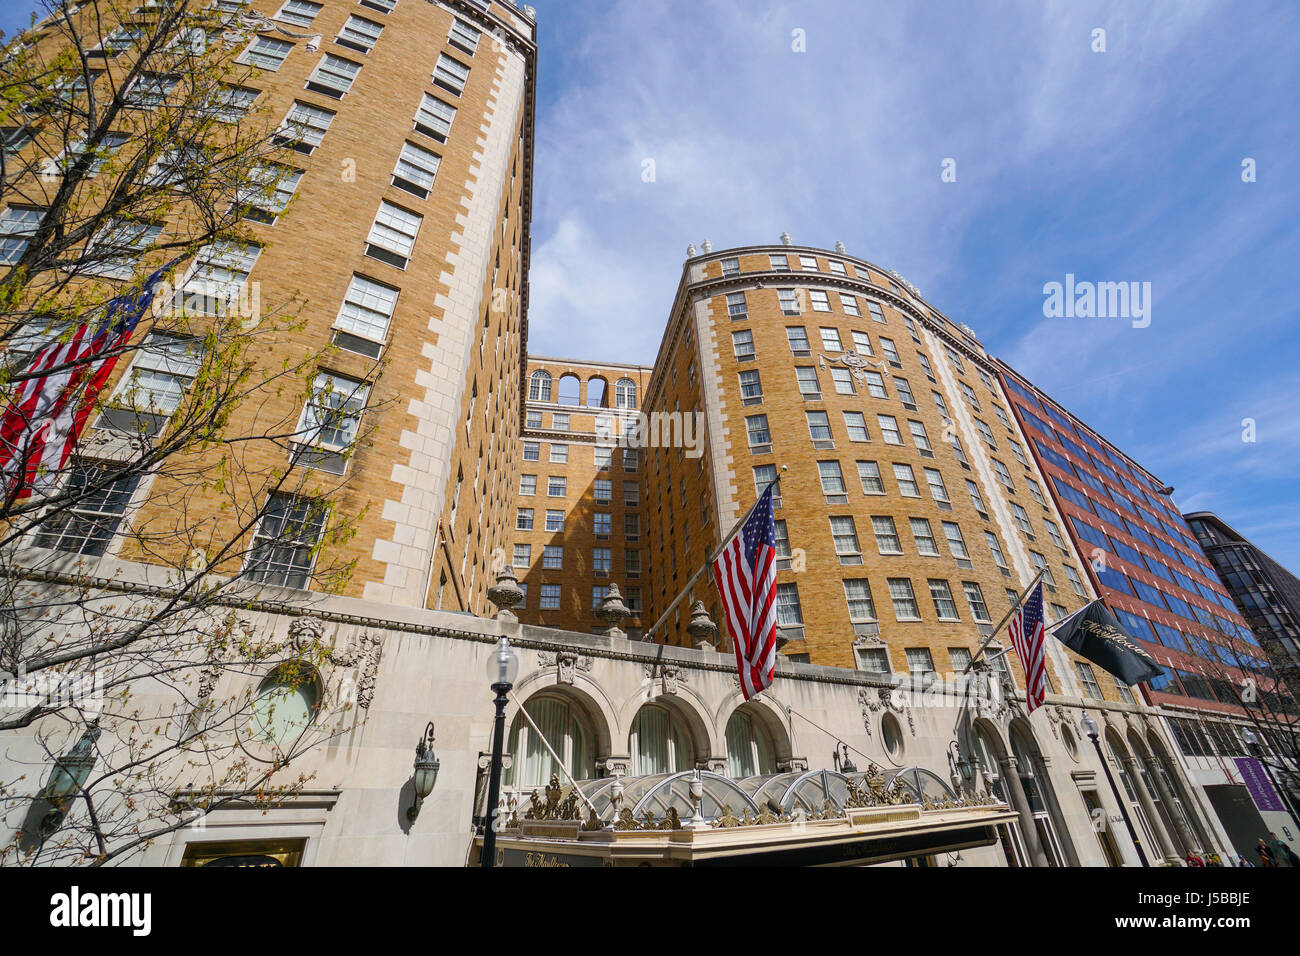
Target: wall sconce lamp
pixel 426 771
pixel 842 763
pixel 71 770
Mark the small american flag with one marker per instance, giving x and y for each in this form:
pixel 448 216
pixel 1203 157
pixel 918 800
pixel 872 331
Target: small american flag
pixel 1029 638
pixel 745 571
pixel 47 411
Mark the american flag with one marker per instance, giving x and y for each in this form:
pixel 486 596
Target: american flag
pixel 1029 638
pixel 47 411
pixel 745 571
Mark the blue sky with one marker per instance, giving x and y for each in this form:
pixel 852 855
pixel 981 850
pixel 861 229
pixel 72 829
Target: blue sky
pixel 1115 166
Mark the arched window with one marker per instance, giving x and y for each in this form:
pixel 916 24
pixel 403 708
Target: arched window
pixel 659 742
pixel 749 748
pixel 539 386
pixel 286 704
pixel 596 392
pixel 570 392
pixel 562 725
pixel 625 393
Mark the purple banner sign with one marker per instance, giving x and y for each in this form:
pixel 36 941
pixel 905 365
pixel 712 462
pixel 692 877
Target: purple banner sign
pixel 1257 782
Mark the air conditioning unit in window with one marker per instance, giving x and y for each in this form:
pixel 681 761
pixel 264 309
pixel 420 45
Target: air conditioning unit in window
pixel 824 444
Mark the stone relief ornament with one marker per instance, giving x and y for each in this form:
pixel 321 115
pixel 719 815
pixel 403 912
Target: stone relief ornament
pixel 855 362
pixel 238 27
pixel 672 675
pixel 567 664
pixel 871 700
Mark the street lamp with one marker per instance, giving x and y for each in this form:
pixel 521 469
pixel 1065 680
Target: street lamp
pixel 1094 734
pixel 962 764
pixel 69 775
pixel 426 771
pixel 1252 744
pixel 502 667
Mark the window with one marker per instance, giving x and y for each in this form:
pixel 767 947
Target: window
pixel 1089 680
pixel 116 249
pixel 1022 519
pixel 975 599
pixel 89 524
pixel 416 169
pixel 1075 583
pixel 919 661
pixel 434 118
pixel 751 387
pixel 887 541
pixel 819 427
pixel 976 499
pixel 940 404
pixel 285 542
pixel 524 519
pixel 778 263
pixel 808 263
pixel 789 300
pixel 556 486
pixel 797 336
pixel 876 312
pixel 539 386
pixel 110 144
pixel 300 13
pixel 891 353
pixel 1054 533
pixel 941 594
pixel 889 429
pixel 956 544
pixel 155 385
pixel 843 379
pixel 782 539
pixel 968 393
pixel 832 480
pixel 845 535
pixel 856 424
pixel 731 267
pixel 269 192
pixel 904 601
pixel 265 53
pixel 906 479
pixel 523 556
pixel 986 433
pixel 632 563
pixel 1040 564
pixel 788 611
pixel 631 459
pixel 849 303
pixel 937 490
pixel 821 302
pixel 560 422
pixel 392 236
pixel 857 593
pixel 532 451
pixel 554 520
pixel 760 439
pixel 1036 492
pixel 17 226
pixel 332 415
pixel 736 307
pixel 764 475
pixel 359 34
pixel 553 557
pixel 217 276
pixel 463 36
pixel 924 537
pixel 875 385
pixel 550 599
pixel 869 475
pixel 451 75
pixel 305 127
pixel 996 551
pixel 905 392
pixel 600 562
pixel 1003 475
pixel 862 342
pixel 742 344
pixel 809 387
pixel 528 484
pixel 364 316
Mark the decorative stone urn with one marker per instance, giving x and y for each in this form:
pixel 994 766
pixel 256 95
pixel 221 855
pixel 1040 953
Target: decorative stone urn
pixel 505 594
pixel 704 633
pixel 613 612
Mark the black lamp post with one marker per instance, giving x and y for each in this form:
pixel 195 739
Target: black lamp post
pixel 1094 734
pixel 71 770
pixel 426 771
pixel 1252 743
pixel 503 665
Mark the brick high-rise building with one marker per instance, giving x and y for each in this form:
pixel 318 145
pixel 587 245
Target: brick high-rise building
pixel 578 521
pixel 909 514
pixel 401 227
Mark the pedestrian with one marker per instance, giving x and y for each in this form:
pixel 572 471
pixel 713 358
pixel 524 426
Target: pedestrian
pixel 1242 861
pixel 1265 857
pixel 1194 860
pixel 1282 854
pixel 1214 861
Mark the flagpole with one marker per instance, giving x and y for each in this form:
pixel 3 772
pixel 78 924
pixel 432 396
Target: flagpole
pixel 1001 624
pixel 708 563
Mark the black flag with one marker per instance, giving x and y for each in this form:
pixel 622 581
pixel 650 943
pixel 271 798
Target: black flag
pixel 1097 635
